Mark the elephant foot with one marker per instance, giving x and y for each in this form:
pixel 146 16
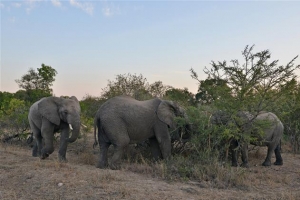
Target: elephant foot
pixel 35 154
pixel 62 158
pixel 115 167
pixel 266 163
pixel 245 165
pixel 234 164
pixel 101 165
pixel 44 156
pixel 278 162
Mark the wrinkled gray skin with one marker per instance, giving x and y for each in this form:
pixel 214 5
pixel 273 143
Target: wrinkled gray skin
pixel 123 120
pixel 271 138
pixel 50 115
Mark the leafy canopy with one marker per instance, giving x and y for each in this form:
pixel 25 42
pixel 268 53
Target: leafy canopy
pixel 42 79
pixel 255 85
pixel 36 84
pixel 133 85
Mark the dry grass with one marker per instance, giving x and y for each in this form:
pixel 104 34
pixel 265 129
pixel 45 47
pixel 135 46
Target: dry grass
pixel 25 177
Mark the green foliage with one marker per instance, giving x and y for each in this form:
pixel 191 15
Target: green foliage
pixel 289 112
pixel 5 98
pixel 255 85
pixel 31 95
pixel 47 77
pixel 135 86
pixel 42 80
pixel 157 89
pixel 126 84
pixel 89 106
pixel 181 96
pixel 14 119
pixel 211 90
pixel 213 140
pixel 36 84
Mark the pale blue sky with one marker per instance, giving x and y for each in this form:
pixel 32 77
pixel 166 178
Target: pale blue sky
pixel 90 42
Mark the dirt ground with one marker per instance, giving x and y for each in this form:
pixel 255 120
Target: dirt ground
pixel 25 177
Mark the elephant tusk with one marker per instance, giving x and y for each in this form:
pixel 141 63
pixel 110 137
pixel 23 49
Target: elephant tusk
pixel 84 126
pixel 70 126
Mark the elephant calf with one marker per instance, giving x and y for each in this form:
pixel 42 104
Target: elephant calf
pixel 123 120
pixel 49 115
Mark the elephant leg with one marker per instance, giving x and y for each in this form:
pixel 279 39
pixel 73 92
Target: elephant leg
pixel 278 156
pixel 234 153
pixel 35 150
pixel 48 137
pixel 63 144
pixel 116 159
pixel 103 160
pixel 118 152
pixel 155 150
pixel 38 145
pixel 164 140
pixel 267 161
pixel 244 151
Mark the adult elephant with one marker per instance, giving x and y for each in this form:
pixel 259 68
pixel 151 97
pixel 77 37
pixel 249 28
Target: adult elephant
pixel 50 115
pixel 123 120
pixel 272 132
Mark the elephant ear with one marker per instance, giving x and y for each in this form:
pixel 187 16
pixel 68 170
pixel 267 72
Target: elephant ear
pixel 166 113
pixel 74 98
pixel 48 108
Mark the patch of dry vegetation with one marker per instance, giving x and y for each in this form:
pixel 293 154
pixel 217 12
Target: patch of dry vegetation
pixel 26 177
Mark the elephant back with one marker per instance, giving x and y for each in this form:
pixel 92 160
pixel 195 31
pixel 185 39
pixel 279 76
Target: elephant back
pixel 274 128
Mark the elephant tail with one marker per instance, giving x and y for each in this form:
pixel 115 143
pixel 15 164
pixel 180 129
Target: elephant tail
pixel 95 130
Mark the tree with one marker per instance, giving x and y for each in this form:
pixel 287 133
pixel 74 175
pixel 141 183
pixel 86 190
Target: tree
pixel 47 77
pixel 37 84
pixel 182 96
pixel 127 84
pixel 211 90
pixel 41 80
pixel 158 89
pixel 254 86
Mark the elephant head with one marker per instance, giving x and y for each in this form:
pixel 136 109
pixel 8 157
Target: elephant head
pixel 166 112
pixel 220 118
pixel 58 110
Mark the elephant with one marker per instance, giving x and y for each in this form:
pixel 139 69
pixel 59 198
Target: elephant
pixel 123 120
pixel 271 135
pixel 50 115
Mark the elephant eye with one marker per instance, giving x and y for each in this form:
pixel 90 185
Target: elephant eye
pixel 65 111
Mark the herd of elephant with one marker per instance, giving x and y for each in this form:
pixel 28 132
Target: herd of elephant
pixel 122 120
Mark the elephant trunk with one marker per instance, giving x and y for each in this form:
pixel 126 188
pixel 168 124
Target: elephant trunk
pixel 183 132
pixel 75 128
pixel 187 128
pixel 188 131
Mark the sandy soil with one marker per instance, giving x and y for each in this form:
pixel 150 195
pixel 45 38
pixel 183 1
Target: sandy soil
pixel 25 177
